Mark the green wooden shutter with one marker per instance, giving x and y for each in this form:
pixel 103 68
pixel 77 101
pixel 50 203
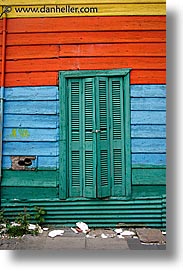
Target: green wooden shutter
pixel 75 137
pixel 89 138
pixel 117 136
pixel 103 134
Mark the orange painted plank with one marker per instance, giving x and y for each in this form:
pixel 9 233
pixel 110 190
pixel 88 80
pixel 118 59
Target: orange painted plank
pixel 32 52
pixel 51 78
pixel 44 65
pixel 109 23
pixel 148 77
pixel 89 50
pixel 125 49
pixel 85 37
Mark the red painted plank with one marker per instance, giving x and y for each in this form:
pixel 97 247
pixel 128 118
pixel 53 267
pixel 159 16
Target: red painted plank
pixel 51 78
pixel 112 23
pixel 45 65
pixel 148 77
pixel 125 49
pixel 85 37
pixel 90 50
pixel 32 52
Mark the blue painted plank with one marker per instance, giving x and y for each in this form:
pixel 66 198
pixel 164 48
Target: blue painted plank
pixel 30 107
pixel 148 145
pixel 26 134
pixel 148 159
pixel 148 117
pixel 42 162
pixel 32 93
pixel 154 104
pixel 148 90
pixel 30 148
pixel 149 131
pixel 36 121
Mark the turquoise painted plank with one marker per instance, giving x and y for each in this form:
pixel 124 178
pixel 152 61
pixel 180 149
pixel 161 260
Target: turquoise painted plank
pixel 148 117
pixel 148 176
pixel 30 148
pixel 45 163
pixel 148 90
pixel 30 107
pixel 32 93
pixel 149 131
pixel 26 193
pixel 36 121
pixel 153 104
pixel 146 190
pixel 148 145
pixel 26 134
pixel 149 159
pixel 29 178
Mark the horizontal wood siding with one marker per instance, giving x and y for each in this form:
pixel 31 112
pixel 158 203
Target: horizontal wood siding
pixel 92 43
pixel 31 126
pixel 148 139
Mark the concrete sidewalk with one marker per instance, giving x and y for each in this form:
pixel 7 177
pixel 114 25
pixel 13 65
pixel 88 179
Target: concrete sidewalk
pixel 71 241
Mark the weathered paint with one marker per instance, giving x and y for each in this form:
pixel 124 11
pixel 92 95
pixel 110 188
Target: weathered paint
pixel 96 43
pixel 85 8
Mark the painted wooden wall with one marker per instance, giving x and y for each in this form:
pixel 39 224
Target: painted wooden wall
pixel 37 48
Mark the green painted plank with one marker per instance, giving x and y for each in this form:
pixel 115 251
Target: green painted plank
pixel 29 178
pixel 148 176
pixel 148 190
pixel 27 193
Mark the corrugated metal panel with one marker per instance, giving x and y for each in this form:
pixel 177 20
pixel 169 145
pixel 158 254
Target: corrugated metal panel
pixel 97 213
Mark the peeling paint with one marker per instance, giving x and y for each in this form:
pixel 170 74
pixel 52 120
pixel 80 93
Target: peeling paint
pixel 23 133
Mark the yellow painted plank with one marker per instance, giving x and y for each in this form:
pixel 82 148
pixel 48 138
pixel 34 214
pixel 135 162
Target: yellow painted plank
pixel 88 10
pixel 57 2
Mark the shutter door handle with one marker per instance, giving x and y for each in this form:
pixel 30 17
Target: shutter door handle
pixel 98 131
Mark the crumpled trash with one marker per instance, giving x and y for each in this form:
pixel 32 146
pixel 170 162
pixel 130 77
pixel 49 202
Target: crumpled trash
pixel 74 230
pixel 32 227
pixel 83 227
pixel 127 233
pixel 123 233
pixel 55 233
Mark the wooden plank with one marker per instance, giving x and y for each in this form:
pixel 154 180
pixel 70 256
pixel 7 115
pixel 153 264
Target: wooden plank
pixel 26 134
pixel 126 23
pixel 100 9
pixel 148 77
pixel 91 37
pixel 153 104
pixel 148 91
pixel 148 145
pixel 29 178
pixel 124 49
pixel 39 93
pixel 146 190
pixel 86 63
pixel 51 78
pixel 50 163
pixel 87 50
pixel 148 117
pixel 31 108
pixel 148 176
pixel 30 148
pixel 36 121
pixel 30 52
pixel 26 193
pixel 57 2
pixel 148 131
pixel 149 159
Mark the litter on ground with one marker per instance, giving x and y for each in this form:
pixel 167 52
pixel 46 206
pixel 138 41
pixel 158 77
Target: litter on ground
pixel 55 233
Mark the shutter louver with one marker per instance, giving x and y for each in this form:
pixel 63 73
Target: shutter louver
pixel 89 153
pixel 117 136
pixel 103 149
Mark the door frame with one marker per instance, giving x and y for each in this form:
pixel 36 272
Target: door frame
pixel 63 76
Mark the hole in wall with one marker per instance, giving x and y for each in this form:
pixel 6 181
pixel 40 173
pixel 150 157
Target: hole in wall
pixel 23 162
